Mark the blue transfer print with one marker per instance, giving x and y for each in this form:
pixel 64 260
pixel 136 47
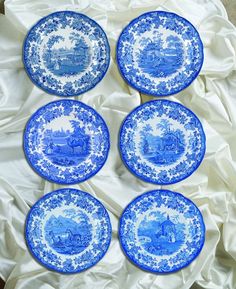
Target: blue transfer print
pixel 66 141
pixel 160 236
pixel 65 147
pixel 162 142
pixel 68 231
pixel 67 61
pixel 66 53
pixel 67 236
pixel 165 148
pixel 158 61
pixel 159 53
pixel 161 231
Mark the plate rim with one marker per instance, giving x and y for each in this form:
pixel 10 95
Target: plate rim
pixel 48 90
pixel 142 267
pixel 48 178
pixel 51 268
pixel 146 91
pixel 147 179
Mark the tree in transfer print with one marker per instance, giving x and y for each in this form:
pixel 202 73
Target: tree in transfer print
pixel 164 125
pixel 78 138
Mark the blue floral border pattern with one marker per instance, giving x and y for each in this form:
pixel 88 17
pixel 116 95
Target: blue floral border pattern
pixel 66 263
pixel 174 204
pixel 132 42
pixel 155 111
pixel 68 85
pixel 34 133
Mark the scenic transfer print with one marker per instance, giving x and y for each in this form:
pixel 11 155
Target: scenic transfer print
pixel 66 53
pixel 162 142
pixel 66 141
pixel 68 231
pixel 159 53
pixel 161 231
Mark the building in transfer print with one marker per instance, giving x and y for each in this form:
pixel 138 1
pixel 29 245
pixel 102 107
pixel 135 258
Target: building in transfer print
pixel 167 231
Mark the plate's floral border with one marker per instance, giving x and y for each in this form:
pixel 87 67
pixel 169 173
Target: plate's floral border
pixel 159 86
pixel 194 150
pixel 46 80
pixel 171 201
pixel 56 173
pixel 61 262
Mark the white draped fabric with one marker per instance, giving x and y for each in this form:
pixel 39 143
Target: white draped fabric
pixel 212 96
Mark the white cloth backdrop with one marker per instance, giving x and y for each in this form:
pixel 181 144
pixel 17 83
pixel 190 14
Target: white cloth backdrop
pixel 212 96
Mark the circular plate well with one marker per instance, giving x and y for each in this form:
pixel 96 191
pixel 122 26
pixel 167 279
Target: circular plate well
pixel 66 53
pixel 162 142
pixel 68 231
pixel 66 141
pixel 159 53
pixel 161 231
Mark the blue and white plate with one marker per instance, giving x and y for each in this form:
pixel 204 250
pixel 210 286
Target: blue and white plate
pixel 66 53
pixel 159 53
pixel 68 231
pixel 162 142
pixel 66 141
pixel 161 231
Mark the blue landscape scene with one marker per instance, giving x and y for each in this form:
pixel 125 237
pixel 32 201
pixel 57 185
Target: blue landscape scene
pixel 165 148
pixel 65 147
pixel 64 61
pixel 161 62
pixel 160 235
pixel 66 236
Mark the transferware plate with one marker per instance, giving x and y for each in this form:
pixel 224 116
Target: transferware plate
pixel 161 231
pixel 66 141
pixel 162 142
pixel 66 53
pixel 159 53
pixel 68 231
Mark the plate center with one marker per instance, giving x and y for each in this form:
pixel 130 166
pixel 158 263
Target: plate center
pixel 66 141
pixel 164 147
pixel 66 53
pixel 161 56
pixel 161 234
pixel 69 233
